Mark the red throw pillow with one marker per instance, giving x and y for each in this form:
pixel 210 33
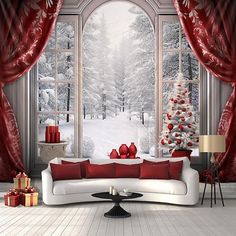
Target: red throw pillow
pixel 127 171
pixel 83 165
pixel 148 171
pixel 155 162
pixel 100 171
pixel 63 172
pixel 175 169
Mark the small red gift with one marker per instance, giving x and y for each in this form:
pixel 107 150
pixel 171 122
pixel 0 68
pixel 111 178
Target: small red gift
pixel 21 181
pixel 29 197
pixel 12 198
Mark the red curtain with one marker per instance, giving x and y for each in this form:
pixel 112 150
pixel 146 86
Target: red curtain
pixel 210 29
pixel 25 27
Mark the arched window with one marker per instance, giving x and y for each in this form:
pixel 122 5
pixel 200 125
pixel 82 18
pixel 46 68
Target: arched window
pixel 118 80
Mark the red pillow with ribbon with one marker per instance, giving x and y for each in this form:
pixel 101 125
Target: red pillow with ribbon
pixel 64 172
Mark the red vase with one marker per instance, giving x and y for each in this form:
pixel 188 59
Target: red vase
pixel 181 153
pixel 123 150
pixel 132 150
pixel 114 154
pixel 123 156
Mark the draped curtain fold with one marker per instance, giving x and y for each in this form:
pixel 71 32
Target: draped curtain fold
pixel 25 27
pixel 210 30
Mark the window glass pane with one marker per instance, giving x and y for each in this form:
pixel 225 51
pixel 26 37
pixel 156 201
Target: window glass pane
pixel 166 88
pixel 52 41
pixel 65 35
pixel 170 65
pixel 46 96
pixel 190 66
pixel 65 97
pixel 170 35
pixel 46 66
pixel 66 127
pixel 43 121
pixel 65 66
pixel 185 44
pixel 194 95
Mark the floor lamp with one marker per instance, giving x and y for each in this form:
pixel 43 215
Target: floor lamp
pixel 212 144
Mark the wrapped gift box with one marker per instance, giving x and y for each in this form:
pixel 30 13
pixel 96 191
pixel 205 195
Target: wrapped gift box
pixel 29 199
pixel 12 198
pixel 21 181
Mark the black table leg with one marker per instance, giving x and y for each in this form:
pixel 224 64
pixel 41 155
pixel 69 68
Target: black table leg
pixel 214 192
pixel 203 195
pixel 117 212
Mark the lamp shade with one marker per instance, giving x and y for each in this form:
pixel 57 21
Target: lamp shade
pixel 212 143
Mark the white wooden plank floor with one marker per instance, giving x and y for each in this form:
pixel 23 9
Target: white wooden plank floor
pixel 147 219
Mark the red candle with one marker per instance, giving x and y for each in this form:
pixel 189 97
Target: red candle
pixel 52 137
pixel 56 128
pixel 51 128
pixel 47 137
pixel 57 137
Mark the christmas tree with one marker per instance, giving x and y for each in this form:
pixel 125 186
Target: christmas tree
pixel 180 131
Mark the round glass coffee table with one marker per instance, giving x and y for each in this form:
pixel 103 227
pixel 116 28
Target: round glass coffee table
pixel 116 211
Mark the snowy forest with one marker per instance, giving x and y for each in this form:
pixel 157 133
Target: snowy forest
pixel 118 79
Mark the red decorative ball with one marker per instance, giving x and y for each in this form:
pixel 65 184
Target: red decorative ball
pixel 172 99
pixel 176 135
pixel 163 142
pixel 169 116
pixel 190 113
pixel 183 119
pixel 167 136
pixel 182 101
pixel 169 142
pixel 189 126
pixel 170 126
pixel 181 127
pixel 178 141
pixel 184 109
pixel 190 144
pixel 177 113
pixel 175 101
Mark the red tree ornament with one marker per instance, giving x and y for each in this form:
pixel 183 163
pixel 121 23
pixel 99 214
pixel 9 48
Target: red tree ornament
pixel 181 127
pixel 190 113
pixel 175 101
pixel 190 144
pixel 163 142
pixel 170 126
pixel 178 141
pixel 189 126
pixel 169 141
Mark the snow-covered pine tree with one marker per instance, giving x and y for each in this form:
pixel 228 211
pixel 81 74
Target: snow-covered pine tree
pixel 140 83
pixel 180 131
pixel 106 86
pixel 91 96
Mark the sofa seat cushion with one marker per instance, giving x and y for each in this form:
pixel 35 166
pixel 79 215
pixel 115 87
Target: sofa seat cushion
pixel 64 187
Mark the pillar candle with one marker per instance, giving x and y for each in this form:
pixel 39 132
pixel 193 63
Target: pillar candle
pixel 57 137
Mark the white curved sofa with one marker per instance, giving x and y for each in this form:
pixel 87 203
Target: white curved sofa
pixel 182 192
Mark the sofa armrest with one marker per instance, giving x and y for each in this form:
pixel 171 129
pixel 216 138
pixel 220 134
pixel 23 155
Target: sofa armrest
pixel 191 179
pixel 47 186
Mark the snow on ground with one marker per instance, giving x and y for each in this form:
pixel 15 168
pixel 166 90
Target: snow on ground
pixel 112 132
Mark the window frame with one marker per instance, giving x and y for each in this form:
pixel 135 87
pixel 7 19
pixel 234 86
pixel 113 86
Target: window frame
pixel 35 165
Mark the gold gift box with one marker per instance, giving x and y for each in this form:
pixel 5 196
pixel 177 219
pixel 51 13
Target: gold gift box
pixel 21 183
pixel 30 199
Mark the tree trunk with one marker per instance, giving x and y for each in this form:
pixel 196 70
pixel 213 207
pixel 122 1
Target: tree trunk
pixel 68 103
pixel 84 112
pixel 142 115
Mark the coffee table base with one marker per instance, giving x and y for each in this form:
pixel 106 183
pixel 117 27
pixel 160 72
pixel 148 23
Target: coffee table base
pixel 117 212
